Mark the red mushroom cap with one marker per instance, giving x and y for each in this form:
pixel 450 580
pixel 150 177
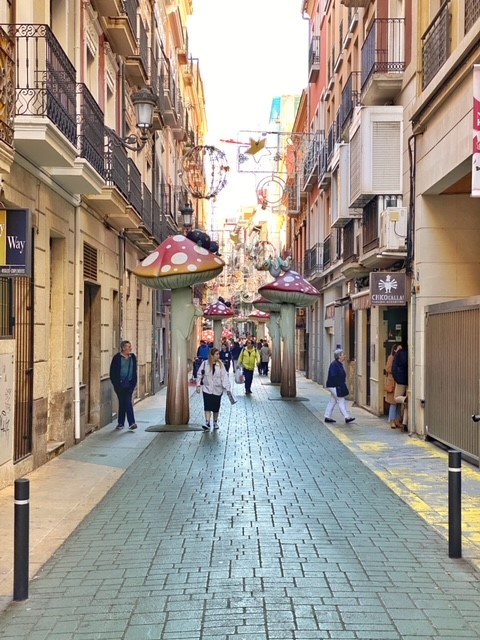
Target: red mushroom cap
pixel 262 304
pixel 290 288
pixel 218 310
pixel 178 262
pixel 259 316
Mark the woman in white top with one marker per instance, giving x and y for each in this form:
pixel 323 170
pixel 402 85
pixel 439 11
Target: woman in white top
pixel 212 378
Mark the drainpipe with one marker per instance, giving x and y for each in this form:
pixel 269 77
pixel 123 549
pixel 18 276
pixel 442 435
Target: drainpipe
pixel 79 39
pixel 409 268
pixel 77 324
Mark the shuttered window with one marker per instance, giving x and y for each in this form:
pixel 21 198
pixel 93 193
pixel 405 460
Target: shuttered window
pixel 355 165
pixel 90 262
pixel 386 151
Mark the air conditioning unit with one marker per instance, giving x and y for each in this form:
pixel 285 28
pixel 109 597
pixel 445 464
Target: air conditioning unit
pixel 375 153
pixel 393 229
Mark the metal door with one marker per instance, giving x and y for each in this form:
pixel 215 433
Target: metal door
pixel 452 374
pixel 23 368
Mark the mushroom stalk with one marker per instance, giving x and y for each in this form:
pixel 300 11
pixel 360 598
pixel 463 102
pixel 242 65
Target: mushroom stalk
pixel 288 382
pixel 276 364
pixel 217 332
pixel 182 315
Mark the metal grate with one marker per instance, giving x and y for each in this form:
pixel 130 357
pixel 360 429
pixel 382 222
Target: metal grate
pixel 436 44
pixel 472 13
pixel 90 262
pixel 24 368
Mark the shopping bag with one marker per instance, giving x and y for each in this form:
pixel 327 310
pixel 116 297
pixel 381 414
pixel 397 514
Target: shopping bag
pixel 239 377
pixel 231 397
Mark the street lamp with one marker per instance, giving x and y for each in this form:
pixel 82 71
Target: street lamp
pixel 187 215
pixel 144 102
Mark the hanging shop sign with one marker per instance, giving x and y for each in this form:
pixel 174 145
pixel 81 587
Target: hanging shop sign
pixel 388 288
pixel 15 242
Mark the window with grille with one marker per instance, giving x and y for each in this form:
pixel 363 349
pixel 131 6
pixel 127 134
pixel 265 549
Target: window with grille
pixel 472 13
pixel 6 307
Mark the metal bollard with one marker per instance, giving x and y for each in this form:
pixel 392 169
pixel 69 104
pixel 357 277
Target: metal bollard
pixel 454 504
pixel 21 539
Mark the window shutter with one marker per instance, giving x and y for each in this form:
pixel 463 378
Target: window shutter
pixel 386 158
pixel 90 262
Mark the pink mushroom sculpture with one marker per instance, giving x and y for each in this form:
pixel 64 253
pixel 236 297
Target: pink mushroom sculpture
pixel 273 308
pixel 177 264
pixel 261 318
pixel 291 290
pixel 217 312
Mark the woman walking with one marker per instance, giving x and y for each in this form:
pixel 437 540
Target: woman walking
pixel 390 388
pixel 212 378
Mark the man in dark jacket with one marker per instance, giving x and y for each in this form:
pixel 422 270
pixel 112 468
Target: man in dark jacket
pixel 123 376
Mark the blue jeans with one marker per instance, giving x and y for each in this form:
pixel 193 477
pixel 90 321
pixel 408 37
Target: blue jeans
pixel 125 406
pixel 248 374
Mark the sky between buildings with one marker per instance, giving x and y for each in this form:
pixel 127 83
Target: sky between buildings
pixel 250 51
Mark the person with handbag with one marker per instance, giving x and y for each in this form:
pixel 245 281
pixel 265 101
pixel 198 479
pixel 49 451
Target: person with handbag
pixel 389 387
pixel 336 384
pixel 248 360
pixel 123 376
pixel 212 379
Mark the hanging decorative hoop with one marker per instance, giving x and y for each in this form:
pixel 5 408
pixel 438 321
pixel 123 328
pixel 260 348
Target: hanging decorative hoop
pixel 204 171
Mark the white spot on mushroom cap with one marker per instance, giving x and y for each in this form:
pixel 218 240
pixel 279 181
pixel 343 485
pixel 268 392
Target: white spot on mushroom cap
pixel 150 259
pixel 179 258
pixel 178 238
pixel 166 268
pixel 192 267
pixel 201 250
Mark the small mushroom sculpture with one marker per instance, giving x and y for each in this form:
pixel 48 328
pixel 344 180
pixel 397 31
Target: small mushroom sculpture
pixel 261 318
pixel 177 264
pixel 218 311
pixel 273 308
pixel 291 290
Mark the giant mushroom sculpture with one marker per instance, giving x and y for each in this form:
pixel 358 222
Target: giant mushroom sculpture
pixel 177 264
pixel 291 290
pixel 261 318
pixel 218 311
pixel 273 308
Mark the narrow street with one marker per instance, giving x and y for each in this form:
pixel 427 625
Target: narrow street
pixel 270 528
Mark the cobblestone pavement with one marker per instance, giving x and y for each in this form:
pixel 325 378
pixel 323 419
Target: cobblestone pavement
pixel 269 529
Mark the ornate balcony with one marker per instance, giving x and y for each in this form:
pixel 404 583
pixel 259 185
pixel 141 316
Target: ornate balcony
pixel 383 61
pixel 136 66
pixel 314 59
pixel 46 101
pixel 168 94
pixel 436 44
pixel 121 29
pixel 310 165
pixel 142 236
pixel 313 262
pixel 7 100
pixel 350 100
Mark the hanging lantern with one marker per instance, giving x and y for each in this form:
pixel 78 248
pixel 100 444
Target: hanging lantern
pixel 204 171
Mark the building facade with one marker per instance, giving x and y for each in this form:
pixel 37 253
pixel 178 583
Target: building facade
pixel 101 193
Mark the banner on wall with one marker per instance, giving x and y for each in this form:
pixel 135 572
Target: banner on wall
pixel 15 242
pixel 476 133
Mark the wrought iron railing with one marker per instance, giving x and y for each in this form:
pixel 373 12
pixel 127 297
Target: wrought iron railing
pixel 384 48
pixel 131 7
pixel 436 44
pixel 348 253
pixel 310 165
pixel 147 207
pixel 135 186
pixel 370 226
pixel 143 43
pixel 314 52
pixel 331 141
pixel 7 87
pixel 91 130
pixel 327 256
pixel 350 98
pixel 157 221
pixel 45 78
pixel 116 164
pixel 472 13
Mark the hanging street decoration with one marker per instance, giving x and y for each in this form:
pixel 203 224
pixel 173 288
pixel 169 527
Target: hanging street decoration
pixel 204 171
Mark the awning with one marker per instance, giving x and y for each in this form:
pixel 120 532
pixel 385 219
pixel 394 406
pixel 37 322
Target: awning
pixel 361 301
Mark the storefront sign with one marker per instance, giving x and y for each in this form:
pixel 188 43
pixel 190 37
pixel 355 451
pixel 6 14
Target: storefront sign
pixel 388 288
pixel 15 242
pixel 476 133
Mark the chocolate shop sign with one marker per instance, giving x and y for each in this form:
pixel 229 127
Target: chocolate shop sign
pixel 388 288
